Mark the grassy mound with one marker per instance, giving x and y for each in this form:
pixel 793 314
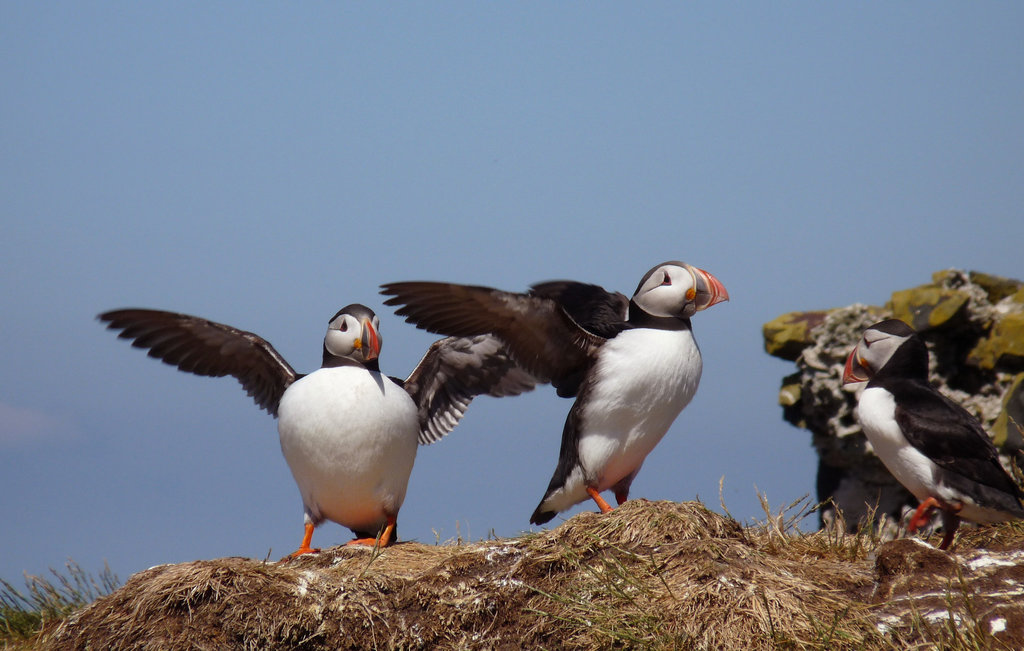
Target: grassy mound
pixel 647 575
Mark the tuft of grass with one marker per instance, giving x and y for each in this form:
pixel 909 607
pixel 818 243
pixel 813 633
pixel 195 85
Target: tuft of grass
pixel 612 600
pixel 47 600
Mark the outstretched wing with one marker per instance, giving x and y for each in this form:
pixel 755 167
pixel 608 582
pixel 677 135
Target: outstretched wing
pixel 453 372
pixel 543 336
pixel 591 307
pixel 207 348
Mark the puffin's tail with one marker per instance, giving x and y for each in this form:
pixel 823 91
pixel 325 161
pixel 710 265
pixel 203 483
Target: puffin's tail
pixel 540 516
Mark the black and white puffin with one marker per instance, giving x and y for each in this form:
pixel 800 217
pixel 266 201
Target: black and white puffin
pixel 632 364
pixel 937 450
pixel 348 433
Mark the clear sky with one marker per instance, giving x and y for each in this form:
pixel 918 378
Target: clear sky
pixel 263 164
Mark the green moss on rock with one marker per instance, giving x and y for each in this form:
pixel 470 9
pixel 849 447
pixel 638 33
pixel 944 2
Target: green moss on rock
pixel 789 394
pixel 928 306
pixel 787 335
pixel 997 287
pixel 1004 347
pixel 1008 430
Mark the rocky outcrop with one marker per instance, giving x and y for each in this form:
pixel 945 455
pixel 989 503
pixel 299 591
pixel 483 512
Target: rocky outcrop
pixel 973 324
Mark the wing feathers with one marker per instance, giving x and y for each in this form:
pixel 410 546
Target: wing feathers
pixel 951 437
pixel 207 348
pixel 540 334
pixel 453 372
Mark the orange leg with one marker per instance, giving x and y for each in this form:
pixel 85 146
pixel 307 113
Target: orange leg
pixel 385 536
pixel 950 519
pixel 601 504
pixel 922 514
pixel 306 539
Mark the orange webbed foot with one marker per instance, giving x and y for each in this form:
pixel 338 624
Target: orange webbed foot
pixel 922 514
pixel 385 537
pixel 601 504
pixel 304 548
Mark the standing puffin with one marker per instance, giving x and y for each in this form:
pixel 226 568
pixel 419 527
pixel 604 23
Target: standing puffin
pixel 632 364
pixel 937 450
pixel 348 433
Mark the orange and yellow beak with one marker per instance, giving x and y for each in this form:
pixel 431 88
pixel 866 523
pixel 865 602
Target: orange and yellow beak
pixel 710 291
pixel 369 341
pixel 855 371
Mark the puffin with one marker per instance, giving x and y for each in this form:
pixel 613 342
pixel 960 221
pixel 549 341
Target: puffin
pixel 348 433
pixel 632 364
pixel 932 445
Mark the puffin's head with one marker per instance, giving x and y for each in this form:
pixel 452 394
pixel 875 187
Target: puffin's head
pixel 677 289
pixel 353 334
pixel 874 350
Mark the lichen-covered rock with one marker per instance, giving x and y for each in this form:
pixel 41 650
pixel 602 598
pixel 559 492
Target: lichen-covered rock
pixel 996 287
pixel 928 306
pixel 1004 346
pixel 973 324
pixel 790 333
pixel 1008 429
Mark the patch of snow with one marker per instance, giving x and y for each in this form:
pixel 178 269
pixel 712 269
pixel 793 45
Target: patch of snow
pixel 491 554
pixel 887 623
pixel 997 625
pixel 914 597
pixel 989 560
pixel 728 582
pixel 937 616
pixel 1008 593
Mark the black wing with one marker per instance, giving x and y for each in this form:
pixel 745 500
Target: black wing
pixel 947 434
pixel 591 307
pixel 207 348
pixel 541 333
pixel 453 372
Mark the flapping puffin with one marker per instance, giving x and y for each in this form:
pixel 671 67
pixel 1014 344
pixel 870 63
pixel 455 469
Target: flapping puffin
pixel 348 433
pixel 937 450
pixel 632 364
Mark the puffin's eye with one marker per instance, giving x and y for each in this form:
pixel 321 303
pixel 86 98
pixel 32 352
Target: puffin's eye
pixel 666 280
pixel 344 325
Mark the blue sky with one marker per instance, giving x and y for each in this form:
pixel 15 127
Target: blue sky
pixel 264 164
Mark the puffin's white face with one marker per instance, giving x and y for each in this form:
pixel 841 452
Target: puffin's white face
pixel 874 350
pixel 676 289
pixel 355 338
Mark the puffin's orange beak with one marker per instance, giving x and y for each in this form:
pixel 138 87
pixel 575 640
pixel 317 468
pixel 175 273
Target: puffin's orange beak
pixel 854 371
pixel 710 291
pixel 370 341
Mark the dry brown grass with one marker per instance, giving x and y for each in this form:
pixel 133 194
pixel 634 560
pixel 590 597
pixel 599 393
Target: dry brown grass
pixel 656 575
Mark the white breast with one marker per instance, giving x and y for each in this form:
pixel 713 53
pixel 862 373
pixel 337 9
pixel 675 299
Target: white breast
pixel 642 380
pixel 349 437
pixel 876 412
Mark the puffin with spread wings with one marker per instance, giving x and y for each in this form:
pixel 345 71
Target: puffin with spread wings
pixel 631 363
pixel 348 432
